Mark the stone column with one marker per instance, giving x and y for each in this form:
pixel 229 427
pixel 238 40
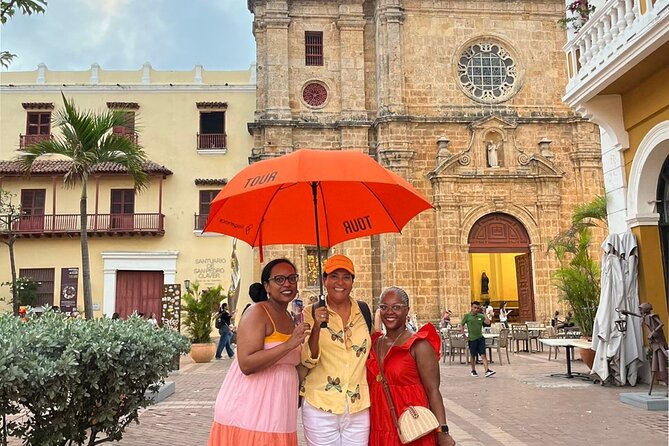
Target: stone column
pixel 390 18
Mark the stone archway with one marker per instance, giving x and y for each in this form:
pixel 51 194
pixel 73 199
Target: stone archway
pixel 498 233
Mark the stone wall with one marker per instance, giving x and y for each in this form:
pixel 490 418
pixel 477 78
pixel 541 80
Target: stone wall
pixel 394 91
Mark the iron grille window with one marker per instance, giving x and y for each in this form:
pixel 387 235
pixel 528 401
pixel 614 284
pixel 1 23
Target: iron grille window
pixel 45 278
pixel 313 48
pixel 312 265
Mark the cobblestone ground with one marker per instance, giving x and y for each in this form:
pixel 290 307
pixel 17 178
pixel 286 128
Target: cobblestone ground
pixel 520 405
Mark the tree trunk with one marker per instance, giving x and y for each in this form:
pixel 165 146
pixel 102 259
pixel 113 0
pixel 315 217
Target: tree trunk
pixel 12 263
pixel 85 260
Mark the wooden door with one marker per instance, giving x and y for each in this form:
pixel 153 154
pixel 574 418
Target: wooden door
pixel 139 291
pixel 32 210
pixel 122 209
pixel 525 288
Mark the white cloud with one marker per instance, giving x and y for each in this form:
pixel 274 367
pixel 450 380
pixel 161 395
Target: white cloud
pixel 123 34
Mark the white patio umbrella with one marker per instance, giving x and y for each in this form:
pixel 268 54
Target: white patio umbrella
pixel 618 354
pixel 632 348
pixel 606 340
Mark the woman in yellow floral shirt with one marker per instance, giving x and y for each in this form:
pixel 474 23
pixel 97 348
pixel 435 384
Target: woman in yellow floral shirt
pixel 336 396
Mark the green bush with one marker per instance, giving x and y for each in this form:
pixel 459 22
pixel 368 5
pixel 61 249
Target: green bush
pixel 200 308
pixel 578 277
pixel 79 381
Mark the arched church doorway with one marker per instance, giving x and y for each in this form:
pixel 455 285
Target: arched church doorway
pixel 499 247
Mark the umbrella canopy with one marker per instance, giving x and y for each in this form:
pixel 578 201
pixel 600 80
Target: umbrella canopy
pixel 618 354
pixel 272 201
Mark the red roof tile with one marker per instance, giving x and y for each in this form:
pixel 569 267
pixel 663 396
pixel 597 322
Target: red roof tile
pixel 13 168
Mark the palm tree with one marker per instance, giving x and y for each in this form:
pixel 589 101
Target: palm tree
pixel 87 140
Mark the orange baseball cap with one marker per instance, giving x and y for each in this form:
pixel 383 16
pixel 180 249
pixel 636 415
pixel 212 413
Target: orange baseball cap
pixel 339 261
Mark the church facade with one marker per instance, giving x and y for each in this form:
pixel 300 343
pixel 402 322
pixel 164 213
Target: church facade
pixel 461 98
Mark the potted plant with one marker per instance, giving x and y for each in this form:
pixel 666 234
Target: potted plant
pixel 579 13
pixel 578 277
pixel 201 307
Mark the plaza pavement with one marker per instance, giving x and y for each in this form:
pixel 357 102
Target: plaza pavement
pixel 521 405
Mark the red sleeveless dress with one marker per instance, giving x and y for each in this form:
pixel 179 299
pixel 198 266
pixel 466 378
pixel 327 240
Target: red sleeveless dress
pixel 406 388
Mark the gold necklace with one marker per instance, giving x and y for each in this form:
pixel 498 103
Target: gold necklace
pixel 378 377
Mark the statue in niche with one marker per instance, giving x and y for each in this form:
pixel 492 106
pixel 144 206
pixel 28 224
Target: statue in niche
pixel 491 148
pixel 485 283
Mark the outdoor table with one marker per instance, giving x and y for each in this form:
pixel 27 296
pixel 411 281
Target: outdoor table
pixel 568 345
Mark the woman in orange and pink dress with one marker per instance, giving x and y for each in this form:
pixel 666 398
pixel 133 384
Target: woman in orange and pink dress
pixel 257 403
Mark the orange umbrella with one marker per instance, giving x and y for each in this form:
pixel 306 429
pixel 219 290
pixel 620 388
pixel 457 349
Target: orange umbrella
pixel 318 197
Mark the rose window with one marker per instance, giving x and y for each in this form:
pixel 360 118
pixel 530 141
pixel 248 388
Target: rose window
pixel 314 94
pixel 487 72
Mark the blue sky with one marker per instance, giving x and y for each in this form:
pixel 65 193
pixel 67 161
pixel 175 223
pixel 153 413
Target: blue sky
pixel 123 34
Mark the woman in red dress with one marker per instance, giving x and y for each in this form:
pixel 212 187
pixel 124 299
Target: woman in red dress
pixel 411 367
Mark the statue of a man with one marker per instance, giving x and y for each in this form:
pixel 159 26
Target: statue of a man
pixel 492 154
pixel 657 341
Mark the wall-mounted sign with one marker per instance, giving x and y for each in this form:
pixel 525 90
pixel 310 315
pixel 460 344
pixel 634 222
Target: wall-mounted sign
pixel 69 288
pixel 209 269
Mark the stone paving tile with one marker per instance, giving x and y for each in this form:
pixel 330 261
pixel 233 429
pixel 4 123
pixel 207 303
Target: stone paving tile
pixel 520 406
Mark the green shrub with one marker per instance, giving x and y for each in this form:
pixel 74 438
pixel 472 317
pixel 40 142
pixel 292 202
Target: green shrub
pixel 200 308
pixel 79 381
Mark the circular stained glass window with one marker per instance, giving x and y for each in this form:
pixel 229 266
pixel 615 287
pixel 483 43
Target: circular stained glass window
pixel 487 72
pixel 314 94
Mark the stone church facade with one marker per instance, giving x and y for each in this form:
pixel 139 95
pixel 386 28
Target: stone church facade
pixel 461 98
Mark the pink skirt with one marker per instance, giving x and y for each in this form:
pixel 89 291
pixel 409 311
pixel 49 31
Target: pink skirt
pixel 258 409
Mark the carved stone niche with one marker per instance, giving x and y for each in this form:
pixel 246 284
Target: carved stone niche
pixel 492 145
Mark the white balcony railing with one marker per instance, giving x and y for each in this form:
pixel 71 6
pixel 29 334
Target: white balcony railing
pixel 617 32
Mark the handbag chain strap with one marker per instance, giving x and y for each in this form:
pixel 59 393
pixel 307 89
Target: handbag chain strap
pixel 385 385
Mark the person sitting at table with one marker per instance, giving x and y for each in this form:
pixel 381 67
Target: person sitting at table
pixel 567 321
pixel 555 322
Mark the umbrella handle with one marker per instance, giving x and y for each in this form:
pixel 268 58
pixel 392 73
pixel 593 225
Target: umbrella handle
pixel 321 303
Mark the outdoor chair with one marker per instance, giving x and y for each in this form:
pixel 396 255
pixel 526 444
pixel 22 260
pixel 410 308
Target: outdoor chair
pixel 445 343
pixel 519 332
pixel 457 342
pixel 535 329
pixel 551 333
pixel 502 343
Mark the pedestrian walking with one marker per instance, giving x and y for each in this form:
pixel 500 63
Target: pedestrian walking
pixel 410 362
pixel 474 321
pixel 504 315
pixel 336 397
pixel 257 403
pixel 224 325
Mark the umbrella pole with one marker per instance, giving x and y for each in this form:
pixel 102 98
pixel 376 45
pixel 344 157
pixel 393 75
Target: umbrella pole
pixel 321 296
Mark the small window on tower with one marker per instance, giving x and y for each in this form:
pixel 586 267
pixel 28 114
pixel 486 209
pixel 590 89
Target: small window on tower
pixel 313 48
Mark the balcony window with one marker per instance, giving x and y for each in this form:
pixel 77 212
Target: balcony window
pixel 212 131
pixel 122 209
pixel 32 210
pixel 313 48
pixel 128 128
pixel 45 278
pixel 206 197
pixel 38 128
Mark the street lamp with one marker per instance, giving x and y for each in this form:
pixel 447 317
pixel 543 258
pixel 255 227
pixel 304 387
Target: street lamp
pixel 621 322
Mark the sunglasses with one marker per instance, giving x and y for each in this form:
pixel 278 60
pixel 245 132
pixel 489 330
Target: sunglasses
pixel 280 280
pixel 396 308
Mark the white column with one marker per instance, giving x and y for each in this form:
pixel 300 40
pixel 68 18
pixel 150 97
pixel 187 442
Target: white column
pixel 606 111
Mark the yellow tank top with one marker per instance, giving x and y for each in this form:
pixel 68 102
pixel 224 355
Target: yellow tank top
pixel 275 336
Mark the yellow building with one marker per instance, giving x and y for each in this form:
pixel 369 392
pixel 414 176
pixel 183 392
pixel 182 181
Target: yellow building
pixel 192 125
pixel 619 78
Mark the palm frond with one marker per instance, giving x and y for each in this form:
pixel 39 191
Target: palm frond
pixel 590 213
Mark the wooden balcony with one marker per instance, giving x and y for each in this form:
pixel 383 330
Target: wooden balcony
pixel 211 141
pixel 60 225
pixel 28 140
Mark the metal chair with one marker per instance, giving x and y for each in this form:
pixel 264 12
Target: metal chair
pixel 502 342
pixel 519 332
pixel 457 341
